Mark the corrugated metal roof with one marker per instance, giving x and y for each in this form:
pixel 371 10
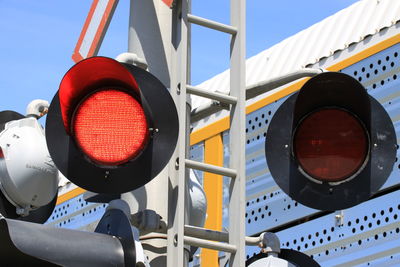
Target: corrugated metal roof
pixel 335 33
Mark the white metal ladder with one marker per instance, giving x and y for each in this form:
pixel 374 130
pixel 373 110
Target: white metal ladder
pixel 180 234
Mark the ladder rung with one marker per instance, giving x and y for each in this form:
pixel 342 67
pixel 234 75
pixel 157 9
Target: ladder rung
pixel 203 233
pixel 208 234
pixel 224 98
pixel 211 24
pixel 192 241
pixel 197 242
pixel 210 168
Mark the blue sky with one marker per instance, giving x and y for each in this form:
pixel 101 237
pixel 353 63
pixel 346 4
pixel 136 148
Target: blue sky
pixel 38 38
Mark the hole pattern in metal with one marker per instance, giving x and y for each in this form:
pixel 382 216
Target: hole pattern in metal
pixel 76 213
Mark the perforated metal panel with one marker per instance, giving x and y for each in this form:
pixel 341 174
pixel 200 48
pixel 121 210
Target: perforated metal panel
pixel 368 235
pixel 76 213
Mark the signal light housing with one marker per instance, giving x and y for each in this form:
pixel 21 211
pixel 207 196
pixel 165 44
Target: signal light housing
pixel 331 145
pixel 111 127
pixel 28 177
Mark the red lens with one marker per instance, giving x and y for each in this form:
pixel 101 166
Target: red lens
pixel 330 145
pixel 110 127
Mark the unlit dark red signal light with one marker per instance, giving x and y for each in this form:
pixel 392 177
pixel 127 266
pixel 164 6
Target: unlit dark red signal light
pixel 111 127
pixel 331 145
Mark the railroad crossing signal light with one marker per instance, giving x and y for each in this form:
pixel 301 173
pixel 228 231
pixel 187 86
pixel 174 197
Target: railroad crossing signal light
pixel 28 177
pixel 111 127
pixel 331 145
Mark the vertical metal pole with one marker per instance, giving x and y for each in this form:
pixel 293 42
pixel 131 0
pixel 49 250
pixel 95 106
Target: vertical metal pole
pixel 177 215
pixel 237 134
pixel 150 36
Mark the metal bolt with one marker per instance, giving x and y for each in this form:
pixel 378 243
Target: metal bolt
pixel 339 218
pixel 153 131
pixel 177 163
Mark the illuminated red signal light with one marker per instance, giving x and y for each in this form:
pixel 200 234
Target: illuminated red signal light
pixel 110 127
pixel 101 110
pixel 108 122
pixel 330 145
pixel 88 76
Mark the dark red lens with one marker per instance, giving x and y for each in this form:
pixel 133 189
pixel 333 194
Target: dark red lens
pixel 110 127
pixel 330 145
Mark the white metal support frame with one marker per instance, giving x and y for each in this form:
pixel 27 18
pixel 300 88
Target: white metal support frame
pixel 177 217
pixel 237 134
pixel 236 100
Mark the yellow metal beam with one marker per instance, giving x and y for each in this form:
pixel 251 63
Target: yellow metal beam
pixel 70 194
pixel 213 154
